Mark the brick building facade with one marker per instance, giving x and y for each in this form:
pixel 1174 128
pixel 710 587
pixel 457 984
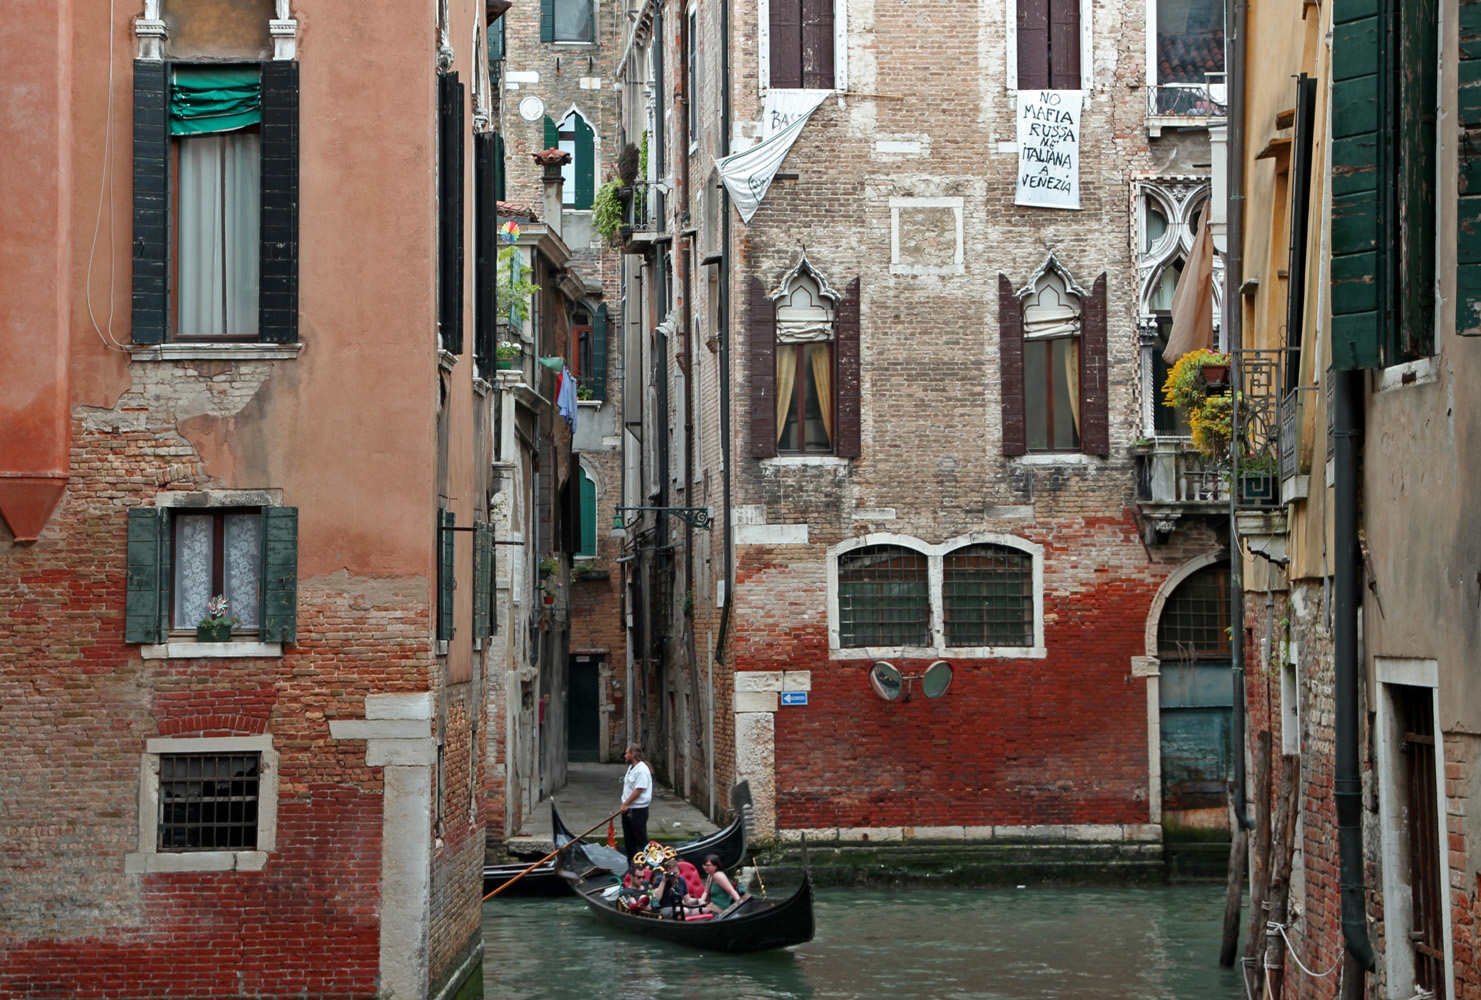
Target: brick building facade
pixel 932 449
pixel 296 810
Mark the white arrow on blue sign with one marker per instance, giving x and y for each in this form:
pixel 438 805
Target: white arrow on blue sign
pixel 794 697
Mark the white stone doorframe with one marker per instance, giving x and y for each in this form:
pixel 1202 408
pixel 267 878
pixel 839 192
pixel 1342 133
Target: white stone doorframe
pixel 397 730
pixel 1150 667
pixel 757 695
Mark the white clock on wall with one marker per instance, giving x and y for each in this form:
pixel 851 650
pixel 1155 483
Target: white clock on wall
pixel 531 108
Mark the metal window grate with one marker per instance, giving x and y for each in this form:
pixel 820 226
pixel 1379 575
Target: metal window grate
pixel 208 802
pixel 883 597
pixel 988 593
pixel 1426 929
pixel 1194 622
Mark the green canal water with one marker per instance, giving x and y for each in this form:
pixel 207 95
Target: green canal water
pixel 1158 943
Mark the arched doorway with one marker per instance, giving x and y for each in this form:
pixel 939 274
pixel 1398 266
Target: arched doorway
pixel 1196 695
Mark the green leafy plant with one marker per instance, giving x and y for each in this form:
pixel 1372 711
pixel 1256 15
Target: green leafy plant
pixel 218 614
pixel 508 350
pixel 549 567
pixel 1210 413
pixel 585 392
pixel 643 157
pixel 514 288
pixel 606 209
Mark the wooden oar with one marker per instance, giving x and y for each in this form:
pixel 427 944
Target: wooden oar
pixel 547 857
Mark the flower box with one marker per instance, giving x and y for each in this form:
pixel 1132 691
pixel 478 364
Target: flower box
pixel 213 632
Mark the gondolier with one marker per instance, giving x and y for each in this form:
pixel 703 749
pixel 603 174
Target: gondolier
pixel 637 793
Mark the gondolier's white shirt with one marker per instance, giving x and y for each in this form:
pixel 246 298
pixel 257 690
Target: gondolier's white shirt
pixel 638 776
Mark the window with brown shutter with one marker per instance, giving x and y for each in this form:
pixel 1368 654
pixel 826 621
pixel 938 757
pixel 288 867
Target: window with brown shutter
pixel 1048 44
pixel 801 49
pixel 1054 366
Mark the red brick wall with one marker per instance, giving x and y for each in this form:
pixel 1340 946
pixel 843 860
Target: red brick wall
pixel 76 706
pixel 1056 740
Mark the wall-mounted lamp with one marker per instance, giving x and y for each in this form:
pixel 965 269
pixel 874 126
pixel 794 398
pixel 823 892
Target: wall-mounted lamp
pixel 695 517
pixel 892 685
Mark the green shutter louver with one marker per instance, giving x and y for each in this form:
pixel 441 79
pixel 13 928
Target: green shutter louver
pixel 483 577
pixel 599 352
pixel 279 574
pixel 552 134
pixel 145 591
pixel 1468 188
pixel 445 582
pixel 588 546
pixel 277 296
pixel 547 21
pixel 151 202
pixel 584 163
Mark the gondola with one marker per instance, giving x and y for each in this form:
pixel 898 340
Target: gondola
pixel 729 843
pixel 749 925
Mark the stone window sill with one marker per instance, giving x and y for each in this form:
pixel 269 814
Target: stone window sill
pixel 189 649
pixel 215 352
pixel 195 861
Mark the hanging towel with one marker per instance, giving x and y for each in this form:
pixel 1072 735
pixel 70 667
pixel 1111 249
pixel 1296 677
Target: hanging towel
pixel 565 398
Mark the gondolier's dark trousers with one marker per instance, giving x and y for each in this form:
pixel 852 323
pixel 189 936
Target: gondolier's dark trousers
pixel 634 831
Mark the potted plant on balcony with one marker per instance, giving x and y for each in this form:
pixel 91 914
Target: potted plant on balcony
pixel 1208 404
pixel 507 354
pixel 216 626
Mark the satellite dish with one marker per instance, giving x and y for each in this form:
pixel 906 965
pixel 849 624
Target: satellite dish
pixel 936 679
pixel 887 681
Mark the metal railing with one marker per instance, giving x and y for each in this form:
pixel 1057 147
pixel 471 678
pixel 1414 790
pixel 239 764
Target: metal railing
pixel 1208 99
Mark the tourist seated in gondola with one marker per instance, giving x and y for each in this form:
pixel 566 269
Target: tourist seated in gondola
pixel 718 893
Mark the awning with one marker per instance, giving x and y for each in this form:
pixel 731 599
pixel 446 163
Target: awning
pixel 206 99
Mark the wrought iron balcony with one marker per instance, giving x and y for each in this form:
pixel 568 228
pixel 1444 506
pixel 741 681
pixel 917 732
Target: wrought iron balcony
pixel 1174 480
pixel 1187 104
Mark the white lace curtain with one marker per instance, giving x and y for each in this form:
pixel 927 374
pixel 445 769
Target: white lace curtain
pixel 218 225
pixel 195 562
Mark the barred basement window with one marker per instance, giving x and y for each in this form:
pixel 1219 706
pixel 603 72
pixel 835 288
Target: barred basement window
pixel 988 595
pixel 883 597
pixel 208 802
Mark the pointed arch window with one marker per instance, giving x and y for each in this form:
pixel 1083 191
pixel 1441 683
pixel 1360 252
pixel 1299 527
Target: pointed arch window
pixel 1053 344
pixel 804 367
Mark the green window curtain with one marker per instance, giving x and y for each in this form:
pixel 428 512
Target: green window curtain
pixel 205 99
pixel 483 577
pixel 585 163
pixel 279 574
pixel 445 582
pixel 552 134
pixel 588 545
pixel 147 561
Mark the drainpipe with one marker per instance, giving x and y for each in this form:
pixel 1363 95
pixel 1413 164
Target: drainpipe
pixel 1347 785
pixel 1233 316
pixel 724 332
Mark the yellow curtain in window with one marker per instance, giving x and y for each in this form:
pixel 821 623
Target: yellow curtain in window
pixel 786 383
pixel 822 376
pixel 1071 364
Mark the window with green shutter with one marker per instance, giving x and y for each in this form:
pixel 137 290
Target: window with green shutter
pixel 1468 187
pixel 446 584
pixel 181 558
pixel 483 579
pixel 1384 158
pixel 578 177
pixel 566 21
pixel 588 545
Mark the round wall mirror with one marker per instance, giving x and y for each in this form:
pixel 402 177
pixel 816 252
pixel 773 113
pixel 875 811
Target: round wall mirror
pixel 886 680
pixel 936 679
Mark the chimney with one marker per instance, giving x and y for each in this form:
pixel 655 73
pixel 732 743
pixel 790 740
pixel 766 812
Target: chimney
pixel 551 161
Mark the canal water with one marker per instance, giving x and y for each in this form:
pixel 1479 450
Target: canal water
pixel 1158 943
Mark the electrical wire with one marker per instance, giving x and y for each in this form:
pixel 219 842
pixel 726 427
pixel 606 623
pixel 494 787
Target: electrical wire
pixel 105 187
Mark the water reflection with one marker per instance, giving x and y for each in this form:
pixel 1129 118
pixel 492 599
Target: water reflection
pixel 915 944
